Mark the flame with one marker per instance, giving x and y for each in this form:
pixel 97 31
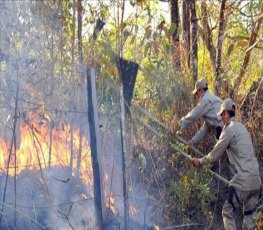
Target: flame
pixel 110 204
pixel 38 151
pixel 133 210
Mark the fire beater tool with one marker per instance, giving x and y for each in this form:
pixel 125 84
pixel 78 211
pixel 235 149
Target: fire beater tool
pixel 178 138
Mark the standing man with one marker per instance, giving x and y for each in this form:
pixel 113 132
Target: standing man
pixel 208 107
pixel 244 188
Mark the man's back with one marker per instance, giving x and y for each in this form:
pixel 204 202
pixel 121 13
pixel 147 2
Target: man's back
pixel 215 104
pixel 241 154
pixel 207 107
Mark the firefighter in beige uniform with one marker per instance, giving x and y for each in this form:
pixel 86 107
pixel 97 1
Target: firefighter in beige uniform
pixel 244 188
pixel 208 107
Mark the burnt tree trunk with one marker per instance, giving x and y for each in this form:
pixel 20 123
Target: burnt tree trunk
pixel 252 43
pixel 95 147
pixel 219 48
pixel 194 50
pixel 174 12
pixel 186 31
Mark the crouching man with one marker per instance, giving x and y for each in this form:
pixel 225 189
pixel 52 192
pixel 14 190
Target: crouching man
pixel 244 188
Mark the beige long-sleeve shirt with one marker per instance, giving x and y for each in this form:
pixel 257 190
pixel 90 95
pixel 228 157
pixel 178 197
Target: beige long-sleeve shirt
pixel 208 108
pixel 236 141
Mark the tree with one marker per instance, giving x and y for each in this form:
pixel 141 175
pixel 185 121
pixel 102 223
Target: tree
pixel 186 30
pixel 194 41
pixel 206 33
pixel 252 43
pixel 175 21
pixel 219 47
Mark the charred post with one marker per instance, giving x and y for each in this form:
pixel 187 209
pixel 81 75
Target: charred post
pixel 128 72
pixel 95 146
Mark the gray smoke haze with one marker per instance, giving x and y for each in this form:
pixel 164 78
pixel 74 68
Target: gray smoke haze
pixel 49 204
pixel 39 76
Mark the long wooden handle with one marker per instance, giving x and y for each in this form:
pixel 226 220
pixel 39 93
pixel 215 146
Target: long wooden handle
pixel 180 139
pixel 212 172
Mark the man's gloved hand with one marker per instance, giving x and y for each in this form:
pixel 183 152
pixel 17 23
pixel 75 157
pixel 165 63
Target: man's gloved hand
pixel 196 162
pixel 180 124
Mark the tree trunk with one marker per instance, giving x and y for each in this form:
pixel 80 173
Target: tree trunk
pixel 73 41
pixel 194 50
pixel 252 42
pixel 51 93
pixel 81 79
pixel 71 150
pixel 206 34
pixel 186 31
pixel 72 79
pixel 80 152
pixel 219 48
pixel 12 150
pixel 174 12
pixel 80 32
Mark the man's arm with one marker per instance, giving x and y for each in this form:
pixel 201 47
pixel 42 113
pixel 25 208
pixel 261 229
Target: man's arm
pixel 219 148
pixel 201 109
pixel 217 152
pixel 202 132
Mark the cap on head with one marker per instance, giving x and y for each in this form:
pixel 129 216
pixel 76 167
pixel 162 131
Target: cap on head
pixel 200 84
pixel 227 105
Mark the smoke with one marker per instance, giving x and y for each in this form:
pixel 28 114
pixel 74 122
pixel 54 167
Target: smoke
pixel 40 77
pixel 48 200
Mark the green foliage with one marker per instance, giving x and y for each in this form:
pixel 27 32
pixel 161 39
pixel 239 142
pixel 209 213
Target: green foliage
pixel 230 49
pixel 172 160
pixel 174 190
pixel 195 191
pixel 179 145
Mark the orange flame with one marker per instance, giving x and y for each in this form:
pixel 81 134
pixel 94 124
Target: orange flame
pixel 133 210
pixel 38 151
pixel 110 202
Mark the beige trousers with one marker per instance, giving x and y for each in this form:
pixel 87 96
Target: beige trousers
pixel 246 200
